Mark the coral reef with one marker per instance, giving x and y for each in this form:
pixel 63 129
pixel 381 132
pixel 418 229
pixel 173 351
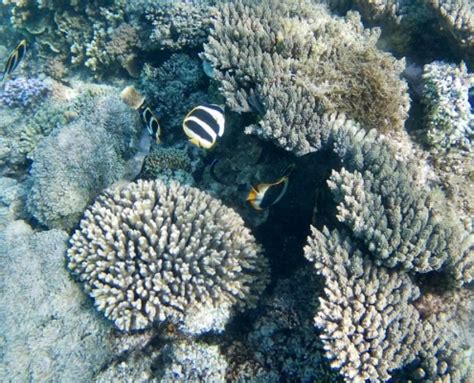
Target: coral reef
pixel 370 322
pixel 449 117
pixel 409 22
pixel 12 200
pixel 283 338
pixel 271 58
pixel 24 93
pixel 174 89
pixel 48 116
pixel 186 361
pixel 177 25
pixel 402 223
pixel 165 161
pixel 49 330
pixel 153 252
pixel 80 34
pixel 78 160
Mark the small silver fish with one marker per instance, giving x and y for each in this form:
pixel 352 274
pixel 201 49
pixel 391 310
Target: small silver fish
pixel 14 59
pixel 204 124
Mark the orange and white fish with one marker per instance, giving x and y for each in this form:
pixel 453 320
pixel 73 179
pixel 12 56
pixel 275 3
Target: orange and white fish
pixel 265 195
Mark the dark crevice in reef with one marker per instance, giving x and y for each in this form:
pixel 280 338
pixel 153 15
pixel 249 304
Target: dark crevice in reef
pixel 307 201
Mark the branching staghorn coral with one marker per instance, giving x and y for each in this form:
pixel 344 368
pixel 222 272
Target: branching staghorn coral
pixel 368 324
pixel 372 323
pixel 153 252
pixel 401 223
pixel 292 63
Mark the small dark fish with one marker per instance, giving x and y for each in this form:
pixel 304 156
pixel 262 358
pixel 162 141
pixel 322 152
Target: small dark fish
pixel 151 122
pixel 204 124
pixel 265 195
pixel 135 100
pixel 14 59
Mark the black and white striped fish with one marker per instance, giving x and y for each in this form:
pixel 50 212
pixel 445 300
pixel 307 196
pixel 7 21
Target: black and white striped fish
pixel 204 124
pixel 151 122
pixel 135 100
pixel 14 59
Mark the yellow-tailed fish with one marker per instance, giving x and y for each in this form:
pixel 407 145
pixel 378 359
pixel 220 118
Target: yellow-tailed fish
pixel 14 59
pixel 265 195
pixel 204 124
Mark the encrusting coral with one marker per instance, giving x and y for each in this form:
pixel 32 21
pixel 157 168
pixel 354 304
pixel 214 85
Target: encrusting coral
pixel 49 329
pixel 370 321
pixel 79 159
pixel 165 160
pixel 292 63
pixel 155 252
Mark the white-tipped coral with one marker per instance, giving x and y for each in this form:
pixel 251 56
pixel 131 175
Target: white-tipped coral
pixel 366 318
pixel 374 325
pixel 155 252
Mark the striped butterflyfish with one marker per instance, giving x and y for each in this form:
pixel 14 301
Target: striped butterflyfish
pixel 135 100
pixel 204 124
pixel 14 59
pixel 151 122
pixel 265 195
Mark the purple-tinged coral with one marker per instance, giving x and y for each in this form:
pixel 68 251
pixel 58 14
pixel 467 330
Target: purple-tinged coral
pixel 22 92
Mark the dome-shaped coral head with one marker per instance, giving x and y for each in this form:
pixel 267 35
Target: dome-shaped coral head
pixel 154 252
